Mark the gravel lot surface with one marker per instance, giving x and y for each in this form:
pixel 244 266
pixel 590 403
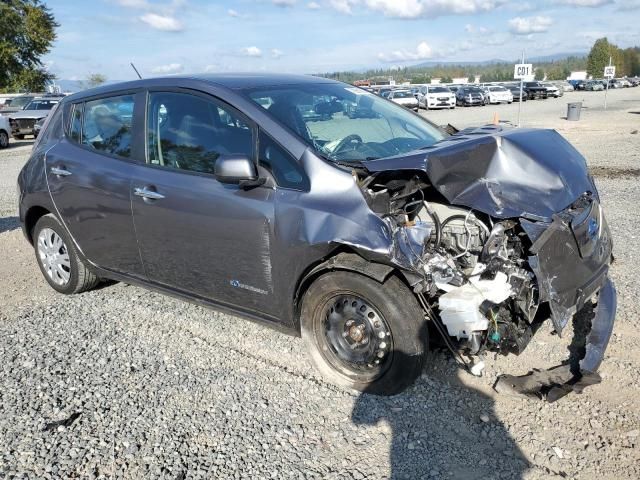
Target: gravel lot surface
pixel 121 382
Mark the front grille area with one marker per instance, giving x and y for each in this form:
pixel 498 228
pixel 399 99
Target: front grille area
pixel 23 123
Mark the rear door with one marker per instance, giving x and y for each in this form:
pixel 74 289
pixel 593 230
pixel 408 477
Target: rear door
pixel 89 177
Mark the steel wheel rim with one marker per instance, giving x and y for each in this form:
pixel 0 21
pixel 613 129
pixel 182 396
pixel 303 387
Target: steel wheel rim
pixel 355 337
pixel 54 256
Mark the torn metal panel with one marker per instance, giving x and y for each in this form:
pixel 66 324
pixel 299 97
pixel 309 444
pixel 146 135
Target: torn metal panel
pixel 556 382
pixel 502 172
pixel 571 258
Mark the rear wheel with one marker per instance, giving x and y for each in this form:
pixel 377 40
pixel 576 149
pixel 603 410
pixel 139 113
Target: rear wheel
pixel 4 139
pixel 58 259
pixel 362 334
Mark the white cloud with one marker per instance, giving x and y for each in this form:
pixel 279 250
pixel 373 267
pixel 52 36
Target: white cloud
pixel 275 53
pixel 168 69
pixel 527 25
pixel 284 3
pixel 474 29
pixel 585 3
pixel 422 52
pixel 162 22
pixel 252 52
pixel 342 6
pixel 232 13
pixel 419 8
pixel 133 3
pixel 313 5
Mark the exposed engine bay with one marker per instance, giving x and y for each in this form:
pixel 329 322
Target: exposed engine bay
pixel 480 276
pixel 472 265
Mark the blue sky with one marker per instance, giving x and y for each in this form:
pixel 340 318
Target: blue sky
pixel 303 36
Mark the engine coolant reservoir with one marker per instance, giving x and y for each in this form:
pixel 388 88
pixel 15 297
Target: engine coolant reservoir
pixel 460 306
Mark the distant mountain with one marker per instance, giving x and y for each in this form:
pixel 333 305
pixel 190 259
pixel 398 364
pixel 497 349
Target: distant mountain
pixel 540 59
pixel 72 86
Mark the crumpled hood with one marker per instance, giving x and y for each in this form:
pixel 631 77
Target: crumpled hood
pixel 504 172
pixel 30 114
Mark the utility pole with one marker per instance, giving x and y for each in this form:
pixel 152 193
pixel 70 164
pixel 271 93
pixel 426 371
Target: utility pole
pixel 607 89
pixel 521 87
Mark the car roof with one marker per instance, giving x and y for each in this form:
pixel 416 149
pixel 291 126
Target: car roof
pixel 232 81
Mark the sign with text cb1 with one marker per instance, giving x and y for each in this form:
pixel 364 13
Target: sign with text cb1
pixel 523 71
pixel 609 72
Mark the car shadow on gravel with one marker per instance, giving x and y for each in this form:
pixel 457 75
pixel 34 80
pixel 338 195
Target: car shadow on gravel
pixel 441 430
pixel 8 224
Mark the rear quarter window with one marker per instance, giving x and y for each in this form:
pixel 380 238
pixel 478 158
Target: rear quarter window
pixel 107 125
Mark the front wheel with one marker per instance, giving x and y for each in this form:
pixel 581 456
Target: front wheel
pixel 362 334
pixel 58 260
pixel 4 139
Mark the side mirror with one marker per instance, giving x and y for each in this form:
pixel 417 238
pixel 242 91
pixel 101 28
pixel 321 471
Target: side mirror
pixel 235 169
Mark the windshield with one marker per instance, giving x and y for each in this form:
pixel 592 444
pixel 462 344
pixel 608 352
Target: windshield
pixel 402 94
pixel 344 123
pixel 41 105
pixel 439 90
pixel 497 89
pixel 19 102
pixel 472 90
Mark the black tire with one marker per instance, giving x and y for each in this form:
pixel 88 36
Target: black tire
pixel 4 139
pixel 391 304
pixel 81 278
pixel 19 137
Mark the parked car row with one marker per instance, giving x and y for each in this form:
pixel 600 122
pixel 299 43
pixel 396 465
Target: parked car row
pixel 431 97
pixel 601 83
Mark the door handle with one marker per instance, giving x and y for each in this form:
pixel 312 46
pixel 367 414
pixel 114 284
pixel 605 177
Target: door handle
pixel 60 172
pixel 146 193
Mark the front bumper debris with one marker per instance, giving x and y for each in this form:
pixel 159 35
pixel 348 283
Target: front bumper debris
pixel 556 382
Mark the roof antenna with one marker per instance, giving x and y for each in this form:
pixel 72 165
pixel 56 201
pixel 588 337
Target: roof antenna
pixel 136 70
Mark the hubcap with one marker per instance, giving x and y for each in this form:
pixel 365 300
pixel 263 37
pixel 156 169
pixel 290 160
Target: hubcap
pixel 356 336
pixel 54 256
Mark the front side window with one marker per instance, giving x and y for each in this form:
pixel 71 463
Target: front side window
pixel 107 125
pixel 188 132
pixel 344 123
pixel 284 168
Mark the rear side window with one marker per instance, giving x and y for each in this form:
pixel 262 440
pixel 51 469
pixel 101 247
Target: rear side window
pixel 75 125
pixel 107 125
pixel 284 168
pixel 188 132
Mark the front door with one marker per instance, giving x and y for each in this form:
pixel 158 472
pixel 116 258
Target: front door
pixel 196 234
pixel 89 177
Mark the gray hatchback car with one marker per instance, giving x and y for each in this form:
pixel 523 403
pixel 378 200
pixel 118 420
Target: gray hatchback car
pixel 331 213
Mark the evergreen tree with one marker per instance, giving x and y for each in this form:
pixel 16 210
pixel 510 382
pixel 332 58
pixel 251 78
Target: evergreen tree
pixel 27 30
pixel 599 56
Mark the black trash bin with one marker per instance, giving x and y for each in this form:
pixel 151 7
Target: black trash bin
pixel 573 111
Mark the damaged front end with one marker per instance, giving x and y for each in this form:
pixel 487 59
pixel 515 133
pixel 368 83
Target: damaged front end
pixel 497 231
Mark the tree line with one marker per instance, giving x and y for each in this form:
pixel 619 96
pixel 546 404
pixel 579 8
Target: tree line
pixel 627 62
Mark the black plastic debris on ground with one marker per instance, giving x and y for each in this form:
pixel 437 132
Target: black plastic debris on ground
pixel 67 422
